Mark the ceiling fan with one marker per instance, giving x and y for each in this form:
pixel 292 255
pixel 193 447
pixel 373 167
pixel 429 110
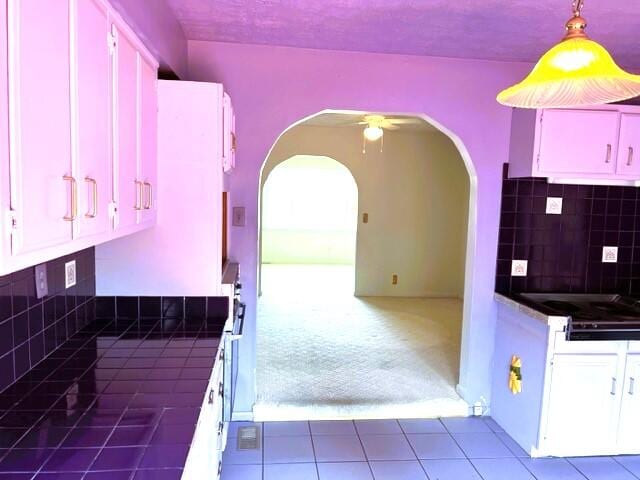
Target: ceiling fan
pixel 377 124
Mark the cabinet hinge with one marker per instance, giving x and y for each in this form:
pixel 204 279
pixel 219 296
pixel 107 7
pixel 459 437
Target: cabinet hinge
pixel 111 42
pixel 12 221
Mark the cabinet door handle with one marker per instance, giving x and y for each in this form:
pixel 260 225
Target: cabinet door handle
pixel 608 159
pixel 211 396
pixel 219 468
pixel 221 389
pixel 74 198
pixel 139 193
pixel 93 213
pixel 149 197
pixel 234 142
pixel 614 383
pixel 632 385
pixel 630 157
pixel 220 428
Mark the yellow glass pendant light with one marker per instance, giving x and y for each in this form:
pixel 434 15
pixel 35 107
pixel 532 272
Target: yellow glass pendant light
pixel 576 72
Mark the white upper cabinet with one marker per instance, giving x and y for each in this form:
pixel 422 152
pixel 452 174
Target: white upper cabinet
pixel 597 145
pixel 228 135
pixel 44 194
pixel 81 124
pixel 629 145
pixel 148 114
pixel 91 117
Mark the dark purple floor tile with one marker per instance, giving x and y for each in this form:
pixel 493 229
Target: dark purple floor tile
pixel 201 362
pixel 114 401
pixel 169 362
pixel 18 419
pixel 24 460
pixel 123 386
pixel 16 476
pixel 132 374
pixel 140 363
pixel 164 456
pixel 165 374
pixel 118 458
pixel 195 374
pixel 71 460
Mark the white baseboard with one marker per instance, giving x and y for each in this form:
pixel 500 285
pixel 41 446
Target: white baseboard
pixel 242 417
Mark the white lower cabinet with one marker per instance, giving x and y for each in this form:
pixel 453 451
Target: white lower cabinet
pixel 584 403
pixel 205 454
pixel 628 432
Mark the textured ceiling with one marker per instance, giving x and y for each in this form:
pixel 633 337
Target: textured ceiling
pixel 508 30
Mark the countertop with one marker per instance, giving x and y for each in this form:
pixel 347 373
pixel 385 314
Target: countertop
pixel 522 306
pixel 120 397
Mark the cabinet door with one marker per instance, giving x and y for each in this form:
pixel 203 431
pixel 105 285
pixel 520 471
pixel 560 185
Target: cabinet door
pixel 576 142
pixel 128 184
pixel 628 438
pixel 148 139
pixel 629 145
pixel 584 402
pixel 92 105
pixel 227 126
pixel 40 123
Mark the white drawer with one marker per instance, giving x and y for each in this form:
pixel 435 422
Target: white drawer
pixel 561 345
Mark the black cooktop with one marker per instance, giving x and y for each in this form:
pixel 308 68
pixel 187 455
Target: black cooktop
pixel 591 316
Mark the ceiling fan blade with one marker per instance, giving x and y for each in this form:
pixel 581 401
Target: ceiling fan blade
pixel 406 121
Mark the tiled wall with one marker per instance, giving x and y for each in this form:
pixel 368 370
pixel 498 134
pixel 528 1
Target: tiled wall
pixel 162 307
pixel 32 328
pixel 564 252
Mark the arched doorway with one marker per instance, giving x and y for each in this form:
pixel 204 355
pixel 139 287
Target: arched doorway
pixel 309 225
pixel 411 262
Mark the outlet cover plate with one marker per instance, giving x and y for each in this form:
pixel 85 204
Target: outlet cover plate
pixel 70 277
pixel 554 205
pixel 609 254
pixel 519 268
pixel 42 286
pixel 238 218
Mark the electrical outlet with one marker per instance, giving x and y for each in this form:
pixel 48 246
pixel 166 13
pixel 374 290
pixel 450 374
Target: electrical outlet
pixel 519 268
pixel 365 218
pixel 70 274
pixel 394 279
pixel 554 205
pixel 42 287
pixel 609 254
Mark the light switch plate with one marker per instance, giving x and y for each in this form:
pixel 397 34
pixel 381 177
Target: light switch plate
pixel 519 268
pixel 554 205
pixel 42 287
pixel 238 219
pixel 70 274
pixel 609 254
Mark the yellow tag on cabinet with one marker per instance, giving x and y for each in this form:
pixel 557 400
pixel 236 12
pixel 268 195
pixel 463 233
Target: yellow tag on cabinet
pixel 515 375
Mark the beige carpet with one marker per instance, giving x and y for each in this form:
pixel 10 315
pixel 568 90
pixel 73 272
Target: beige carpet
pixel 324 354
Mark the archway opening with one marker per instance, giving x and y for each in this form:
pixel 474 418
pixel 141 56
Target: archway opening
pixel 309 224
pixel 394 348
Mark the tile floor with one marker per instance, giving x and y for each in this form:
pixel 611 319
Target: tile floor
pixel 447 449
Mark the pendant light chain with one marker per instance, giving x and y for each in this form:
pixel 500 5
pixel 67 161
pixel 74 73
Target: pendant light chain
pixel 577 7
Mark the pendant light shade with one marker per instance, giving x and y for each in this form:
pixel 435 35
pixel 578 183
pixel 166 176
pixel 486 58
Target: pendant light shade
pixel 373 133
pixel 576 72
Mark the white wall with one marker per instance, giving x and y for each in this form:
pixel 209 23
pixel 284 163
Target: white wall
pixel 310 213
pixel 416 192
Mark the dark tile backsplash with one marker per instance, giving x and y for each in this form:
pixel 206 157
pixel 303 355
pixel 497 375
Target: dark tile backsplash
pixel 32 328
pixel 162 307
pixel 564 252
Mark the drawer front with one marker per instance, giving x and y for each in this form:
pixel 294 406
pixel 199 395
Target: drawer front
pixel 561 345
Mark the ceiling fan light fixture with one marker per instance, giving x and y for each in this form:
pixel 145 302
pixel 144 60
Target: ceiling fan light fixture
pixel 373 133
pixel 575 72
